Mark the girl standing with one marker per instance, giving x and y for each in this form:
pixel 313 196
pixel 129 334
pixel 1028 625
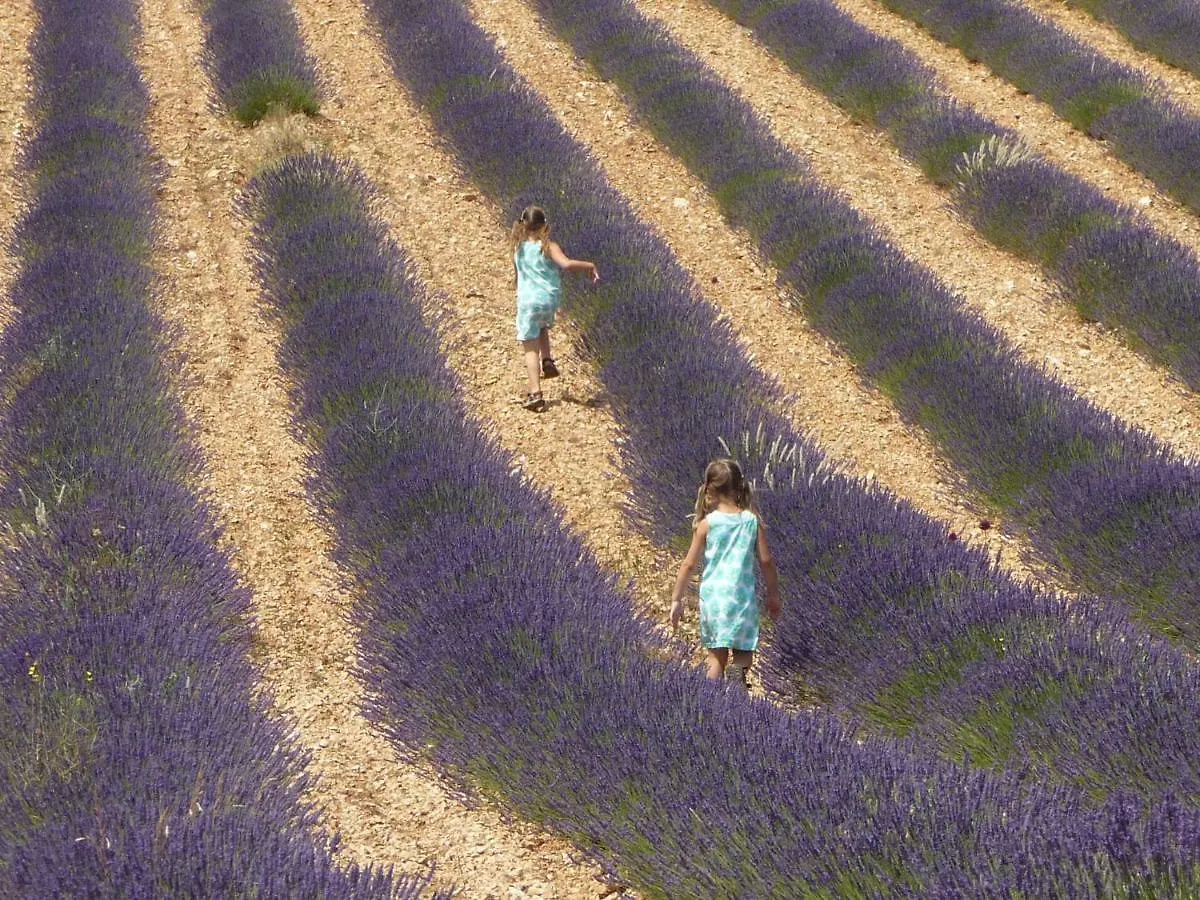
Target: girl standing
pixel 731 537
pixel 539 264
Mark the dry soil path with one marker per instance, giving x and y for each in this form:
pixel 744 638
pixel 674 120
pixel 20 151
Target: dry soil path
pixel 459 243
pixel 16 24
pixel 1041 127
pixel 1008 292
pixel 387 811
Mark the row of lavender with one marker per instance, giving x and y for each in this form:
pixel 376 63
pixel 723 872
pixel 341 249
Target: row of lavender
pixel 256 59
pixel 1106 260
pixel 493 643
pixel 1111 505
pixel 137 754
pixel 1170 29
pixel 868 579
pixel 1141 124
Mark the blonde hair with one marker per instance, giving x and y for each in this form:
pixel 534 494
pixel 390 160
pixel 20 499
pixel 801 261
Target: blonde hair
pixel 723 478
pixel 531 226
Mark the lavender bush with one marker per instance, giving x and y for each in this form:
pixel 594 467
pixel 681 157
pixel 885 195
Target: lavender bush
pixel 1098 95
pixel 1106 260
pixel 256 58
pixel 861 566
pixel 495 645
pixel 138 756
pixel 1170 29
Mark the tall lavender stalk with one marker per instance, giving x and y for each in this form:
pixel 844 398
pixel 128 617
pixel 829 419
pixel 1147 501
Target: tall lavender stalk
pixel 495 646
pixel 1098 95
pixel 1170 29
pixel 1106 260
pixel 860 567
pixel 138 756
pixel 257 60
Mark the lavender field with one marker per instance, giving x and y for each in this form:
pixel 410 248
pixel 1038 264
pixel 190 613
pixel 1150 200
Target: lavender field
pixel 296 600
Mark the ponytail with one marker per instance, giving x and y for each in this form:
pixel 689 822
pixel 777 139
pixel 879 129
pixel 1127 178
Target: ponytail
pixel 745 497
pixel 702 508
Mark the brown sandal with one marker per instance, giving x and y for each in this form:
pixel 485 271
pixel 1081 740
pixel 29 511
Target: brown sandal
pixel 549 369
pixel 535 402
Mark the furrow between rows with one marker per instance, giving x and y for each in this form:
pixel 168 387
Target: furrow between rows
pixel 1040 126
pixel 15 27
pixel 387 810
pixel 1010 293
pixel 1137 118
pixel 449 228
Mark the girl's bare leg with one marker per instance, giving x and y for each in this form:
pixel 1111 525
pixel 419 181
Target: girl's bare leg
pixel 716 663
pixel 735 670
pixel 543 343
pixel 533 361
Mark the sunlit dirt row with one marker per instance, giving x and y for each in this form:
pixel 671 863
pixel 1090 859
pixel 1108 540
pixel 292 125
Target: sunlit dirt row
pixel 387 811
pixel 15 26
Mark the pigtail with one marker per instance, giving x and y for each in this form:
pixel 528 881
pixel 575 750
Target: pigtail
pixel 701 510
pixel 746 499
pixel 516 235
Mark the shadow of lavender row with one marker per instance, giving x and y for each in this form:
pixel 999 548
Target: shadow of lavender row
pixel 138 756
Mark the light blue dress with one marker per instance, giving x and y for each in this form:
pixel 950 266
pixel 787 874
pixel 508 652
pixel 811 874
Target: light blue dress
pixel 728 602
pixel 539 290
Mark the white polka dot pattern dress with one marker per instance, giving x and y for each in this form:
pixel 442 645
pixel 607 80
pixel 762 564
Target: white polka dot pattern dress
pixel 728 602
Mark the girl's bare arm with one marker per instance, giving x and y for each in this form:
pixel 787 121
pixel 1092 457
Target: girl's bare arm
pixel 766 562
pixel 695 551
pixel 569 265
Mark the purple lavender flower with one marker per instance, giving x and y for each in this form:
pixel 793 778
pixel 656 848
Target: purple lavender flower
pixel 496 647
pixel 138 754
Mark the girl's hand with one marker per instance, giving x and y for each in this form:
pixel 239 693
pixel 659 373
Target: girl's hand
pixel 676 612
pixel 774 608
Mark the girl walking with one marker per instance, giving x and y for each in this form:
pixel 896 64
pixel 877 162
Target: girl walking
pixel 539 264
pixel 731 537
